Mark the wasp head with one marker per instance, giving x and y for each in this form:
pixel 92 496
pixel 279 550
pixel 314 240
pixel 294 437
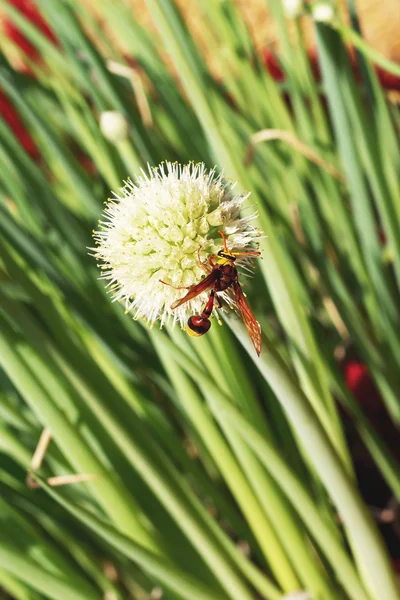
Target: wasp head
pixel 227 255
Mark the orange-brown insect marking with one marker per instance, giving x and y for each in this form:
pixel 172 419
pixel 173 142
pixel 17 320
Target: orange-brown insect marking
pixel 222 274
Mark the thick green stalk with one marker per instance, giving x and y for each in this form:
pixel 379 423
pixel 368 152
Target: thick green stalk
pixel 274 505
pixel 366 542
pixel 277 509
pixel 304 504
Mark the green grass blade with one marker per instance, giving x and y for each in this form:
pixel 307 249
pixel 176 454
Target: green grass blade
pixel 43 581
pixel 184 585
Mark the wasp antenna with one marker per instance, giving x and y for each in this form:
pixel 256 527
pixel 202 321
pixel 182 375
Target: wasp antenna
pixel 221 233
pixel 253 253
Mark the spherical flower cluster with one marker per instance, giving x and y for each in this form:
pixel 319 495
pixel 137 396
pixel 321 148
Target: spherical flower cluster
pixel 160 228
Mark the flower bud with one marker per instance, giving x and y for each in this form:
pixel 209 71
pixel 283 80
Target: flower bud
pixel 293 8
pixel 114 126
pixel 323 12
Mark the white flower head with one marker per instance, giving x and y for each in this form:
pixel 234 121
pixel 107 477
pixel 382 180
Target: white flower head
pixel 159 228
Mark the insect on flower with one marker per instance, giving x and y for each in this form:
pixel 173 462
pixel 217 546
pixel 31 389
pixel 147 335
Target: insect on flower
pixel 163 227
pixel 222 274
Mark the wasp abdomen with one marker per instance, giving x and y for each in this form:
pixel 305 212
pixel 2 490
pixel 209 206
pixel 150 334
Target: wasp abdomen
pixel 198 325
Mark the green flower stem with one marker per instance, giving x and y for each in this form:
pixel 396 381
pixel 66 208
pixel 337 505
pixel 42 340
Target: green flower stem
pixel 277 509
pixel 332 548
pixel 366 542
pixel 304 505
pixel 129 156
pixel 274 505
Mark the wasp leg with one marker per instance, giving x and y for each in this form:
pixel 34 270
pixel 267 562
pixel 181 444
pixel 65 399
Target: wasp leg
pixel 220 308
pixel 203 265
pixel 218 301
pixel 174 286
pixel 210 260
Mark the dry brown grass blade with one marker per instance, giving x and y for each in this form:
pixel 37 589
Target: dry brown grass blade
pixel 137 87
pixel 267 135
pixel 40 451
pixel 36 463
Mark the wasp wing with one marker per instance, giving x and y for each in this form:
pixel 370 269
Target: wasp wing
pixel 197 289
pixel 252 326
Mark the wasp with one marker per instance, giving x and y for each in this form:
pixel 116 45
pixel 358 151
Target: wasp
pixel 222 274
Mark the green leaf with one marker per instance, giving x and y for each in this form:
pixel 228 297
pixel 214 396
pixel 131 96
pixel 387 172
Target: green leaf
pixel 183 584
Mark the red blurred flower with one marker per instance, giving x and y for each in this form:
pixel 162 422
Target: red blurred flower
pixel 272 65
pixel 396 565
pixel 30 11
pixel 387 80
pixel 7 110
pixel 361 384
pixel 12 118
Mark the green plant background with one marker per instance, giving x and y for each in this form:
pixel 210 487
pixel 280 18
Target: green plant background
pixel 218 475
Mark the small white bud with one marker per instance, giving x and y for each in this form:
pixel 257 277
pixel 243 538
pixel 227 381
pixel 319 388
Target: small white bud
pixel 323 12
pixel 293 8
pixel 114 126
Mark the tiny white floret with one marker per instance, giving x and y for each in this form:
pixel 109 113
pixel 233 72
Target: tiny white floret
pixel 157 229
